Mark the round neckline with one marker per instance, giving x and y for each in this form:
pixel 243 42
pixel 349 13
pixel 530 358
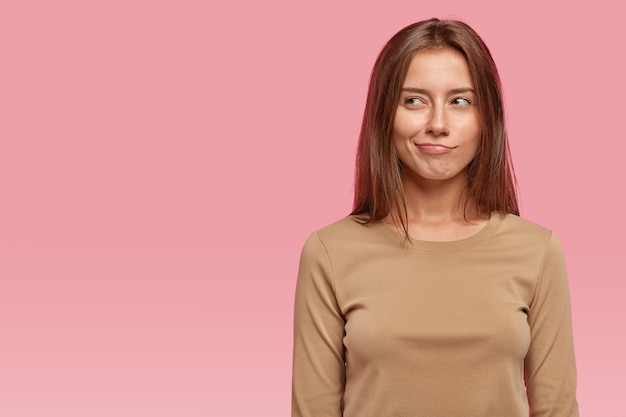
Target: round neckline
pixel 482 235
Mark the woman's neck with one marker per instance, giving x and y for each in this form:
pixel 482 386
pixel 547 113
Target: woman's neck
pixel 435 201
pixel 437 211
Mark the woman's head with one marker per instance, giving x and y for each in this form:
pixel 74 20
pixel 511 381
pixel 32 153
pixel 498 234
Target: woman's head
pixel 378 188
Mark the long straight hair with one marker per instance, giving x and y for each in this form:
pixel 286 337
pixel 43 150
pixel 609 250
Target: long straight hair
pixel 378 186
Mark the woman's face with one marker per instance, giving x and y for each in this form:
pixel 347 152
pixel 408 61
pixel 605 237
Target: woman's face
pixel 437 127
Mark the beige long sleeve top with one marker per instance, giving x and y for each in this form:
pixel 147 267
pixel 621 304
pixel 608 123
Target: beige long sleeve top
pixel 479 327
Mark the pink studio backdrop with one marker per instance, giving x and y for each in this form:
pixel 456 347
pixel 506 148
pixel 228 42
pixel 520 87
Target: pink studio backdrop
pixel 162 162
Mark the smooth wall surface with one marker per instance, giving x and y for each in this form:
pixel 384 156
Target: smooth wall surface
pixel 162 162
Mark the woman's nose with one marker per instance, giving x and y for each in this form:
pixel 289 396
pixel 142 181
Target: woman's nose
pixel 438 123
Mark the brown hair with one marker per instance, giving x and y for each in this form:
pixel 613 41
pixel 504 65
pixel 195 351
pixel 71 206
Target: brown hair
pixel 378 186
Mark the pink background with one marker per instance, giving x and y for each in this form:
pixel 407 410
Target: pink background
pixel 162 162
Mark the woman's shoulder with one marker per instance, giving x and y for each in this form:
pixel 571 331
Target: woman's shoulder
pixel 351 231
pixel 515 221
pixel 349 227
pixel 351 240
pixel 523 229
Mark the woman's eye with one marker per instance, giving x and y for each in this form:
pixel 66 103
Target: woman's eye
pixel 461 101
pixel 413 101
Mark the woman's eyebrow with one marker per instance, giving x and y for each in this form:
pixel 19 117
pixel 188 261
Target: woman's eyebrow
pixel 452 91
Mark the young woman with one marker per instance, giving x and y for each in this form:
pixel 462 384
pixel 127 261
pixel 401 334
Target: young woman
pixel 433 298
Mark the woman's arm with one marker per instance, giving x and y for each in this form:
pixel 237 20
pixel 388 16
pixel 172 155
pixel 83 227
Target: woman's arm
pixel 550 368
pixel 318 358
